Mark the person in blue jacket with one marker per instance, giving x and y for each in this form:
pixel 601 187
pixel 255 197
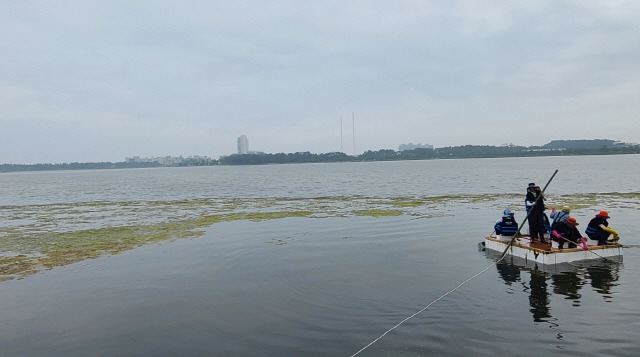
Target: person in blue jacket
pixel 559 216
pixel 506 225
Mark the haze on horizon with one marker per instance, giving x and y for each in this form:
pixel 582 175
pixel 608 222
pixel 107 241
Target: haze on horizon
pixel 101 81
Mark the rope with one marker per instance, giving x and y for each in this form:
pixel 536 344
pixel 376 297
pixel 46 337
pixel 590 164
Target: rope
pixel 426 307
pixel 605 259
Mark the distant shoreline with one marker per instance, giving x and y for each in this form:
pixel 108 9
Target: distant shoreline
pixel 456 152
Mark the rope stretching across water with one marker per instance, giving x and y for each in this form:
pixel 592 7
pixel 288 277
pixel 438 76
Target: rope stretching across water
pixel 426 307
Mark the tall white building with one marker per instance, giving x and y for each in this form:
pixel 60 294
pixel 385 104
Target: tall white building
pixel 243 145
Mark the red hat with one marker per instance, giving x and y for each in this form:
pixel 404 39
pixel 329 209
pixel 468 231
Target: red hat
pixel 572 220
pixel 603 214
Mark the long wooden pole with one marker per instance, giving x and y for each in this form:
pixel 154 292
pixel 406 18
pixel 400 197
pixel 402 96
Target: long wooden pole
pixel 525 218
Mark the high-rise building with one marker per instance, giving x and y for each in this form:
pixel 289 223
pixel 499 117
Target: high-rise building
pixel 243 145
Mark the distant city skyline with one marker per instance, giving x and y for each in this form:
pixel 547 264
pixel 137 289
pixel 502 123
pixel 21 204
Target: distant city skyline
pixel 411 146
pixel 168 160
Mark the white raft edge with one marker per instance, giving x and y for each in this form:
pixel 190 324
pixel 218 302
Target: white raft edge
pixel 520 248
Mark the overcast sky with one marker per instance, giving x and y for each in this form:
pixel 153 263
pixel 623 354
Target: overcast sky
pixel 104 80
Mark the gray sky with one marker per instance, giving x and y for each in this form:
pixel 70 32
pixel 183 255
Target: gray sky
pixel 103 80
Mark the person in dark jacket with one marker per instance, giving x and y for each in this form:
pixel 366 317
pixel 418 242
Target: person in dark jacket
pixel 566 232
pixel 530 197
pixel 598 229
pixel 536 215
pixel 506 225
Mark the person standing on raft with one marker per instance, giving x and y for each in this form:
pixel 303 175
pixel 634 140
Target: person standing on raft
pixel 536 215
pixel 530 197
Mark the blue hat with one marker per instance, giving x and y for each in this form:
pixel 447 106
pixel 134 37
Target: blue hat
pixel 507 213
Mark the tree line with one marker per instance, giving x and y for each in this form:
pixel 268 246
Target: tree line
pixel 452 152
pixel 75 166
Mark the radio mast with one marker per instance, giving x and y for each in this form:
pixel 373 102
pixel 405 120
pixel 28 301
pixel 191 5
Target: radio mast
pixel 353 118
pixel 341 146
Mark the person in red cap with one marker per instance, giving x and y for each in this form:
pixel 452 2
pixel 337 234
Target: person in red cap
pixel 598 229
pixel 566 231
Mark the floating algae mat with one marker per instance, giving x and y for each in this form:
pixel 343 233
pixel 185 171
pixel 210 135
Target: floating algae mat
pixel 38 237
pixel 378 213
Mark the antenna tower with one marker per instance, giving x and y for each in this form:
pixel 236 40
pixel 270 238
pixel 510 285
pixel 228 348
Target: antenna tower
pixel 341 145
pixel 353 117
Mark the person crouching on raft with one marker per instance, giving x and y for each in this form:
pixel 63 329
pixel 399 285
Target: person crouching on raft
pixel 559 216
pixel 506 225
pixel 598 229
pixel 566 231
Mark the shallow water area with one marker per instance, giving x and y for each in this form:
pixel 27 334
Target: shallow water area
pixel 289 268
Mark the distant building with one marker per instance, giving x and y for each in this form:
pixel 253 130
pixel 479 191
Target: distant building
pixel 243 145
pixel 410 146
pixel 171 160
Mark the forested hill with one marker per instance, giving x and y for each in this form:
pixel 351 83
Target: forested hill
pixel 573 144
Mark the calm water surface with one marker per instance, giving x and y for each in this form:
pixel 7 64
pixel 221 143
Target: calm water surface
pixel 330 282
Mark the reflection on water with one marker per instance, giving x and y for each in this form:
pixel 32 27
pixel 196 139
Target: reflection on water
pixel 539 297
pixel 508 272
pixel 603 280
pixel 566 281
pixel 569 285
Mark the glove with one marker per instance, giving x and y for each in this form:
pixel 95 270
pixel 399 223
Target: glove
pixel 584 243
pixel 610 231
pixel 556 234
pixel 553 210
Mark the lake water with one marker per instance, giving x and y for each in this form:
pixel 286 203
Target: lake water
pixel 310 260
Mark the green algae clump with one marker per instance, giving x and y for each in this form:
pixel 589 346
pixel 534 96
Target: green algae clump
pixel 18 266
pixel 408 203
pixel 378 213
